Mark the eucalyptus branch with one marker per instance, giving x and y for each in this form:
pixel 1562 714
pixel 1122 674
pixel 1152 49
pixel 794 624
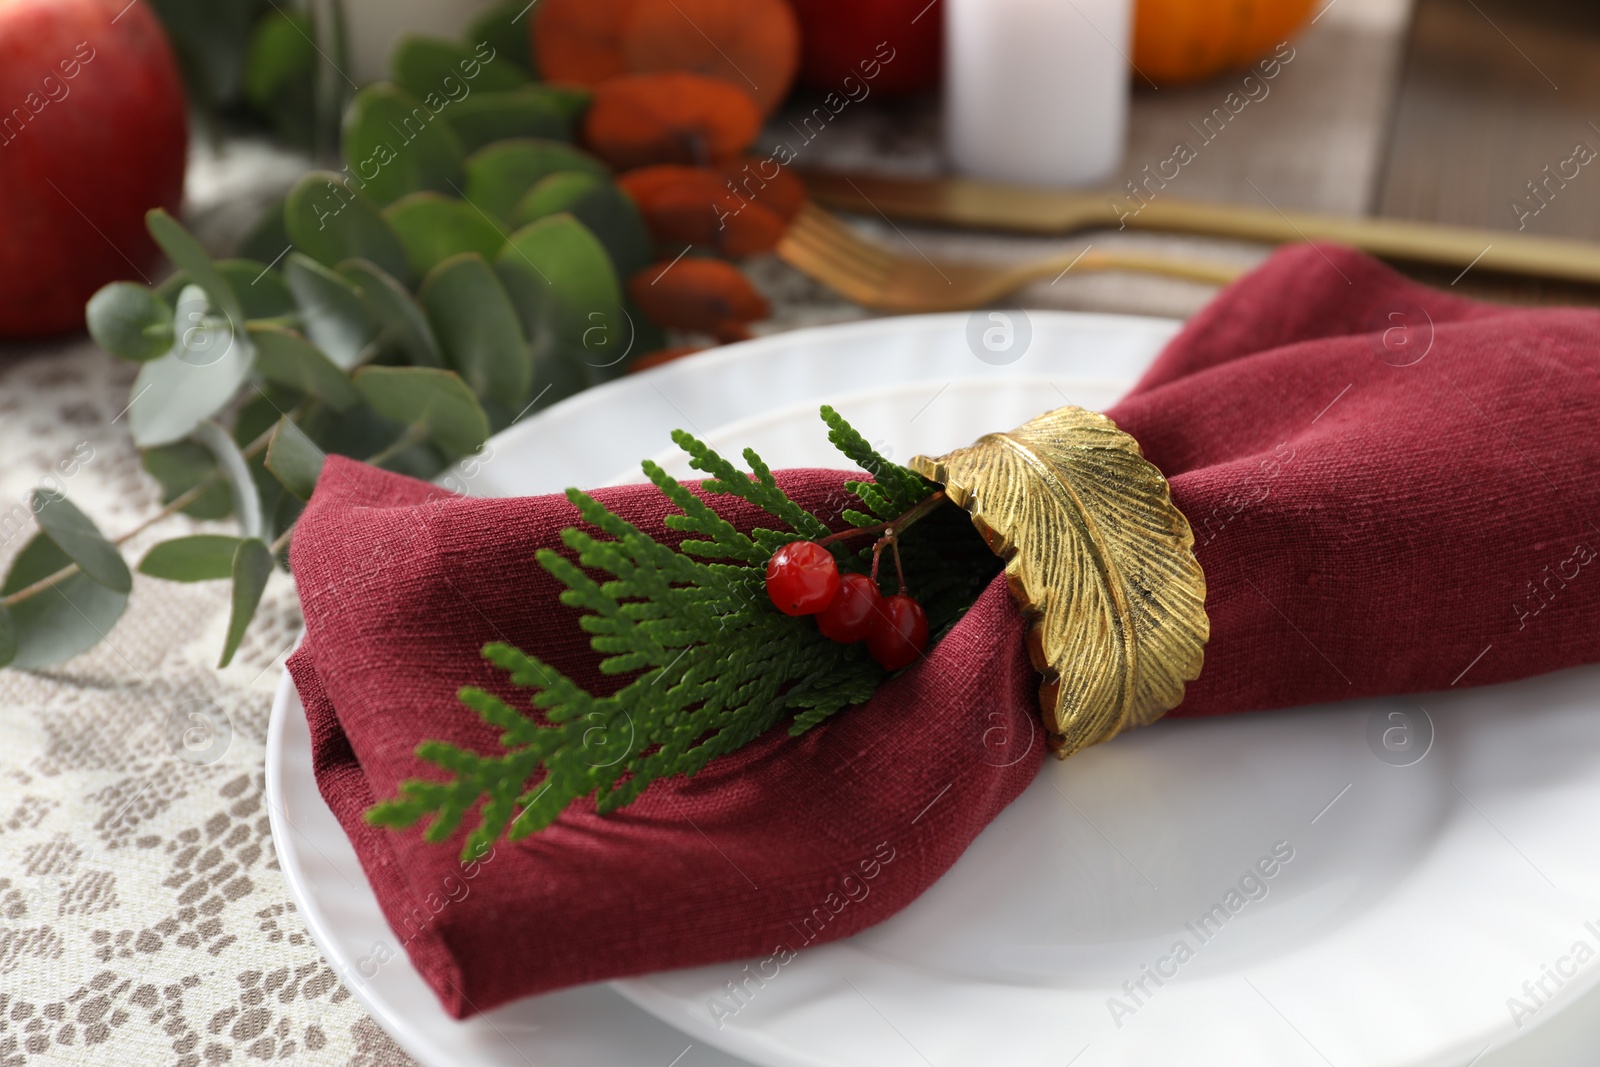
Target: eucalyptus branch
pixel 177 504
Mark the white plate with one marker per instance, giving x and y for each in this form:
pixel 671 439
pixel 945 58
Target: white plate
pixel 1418 898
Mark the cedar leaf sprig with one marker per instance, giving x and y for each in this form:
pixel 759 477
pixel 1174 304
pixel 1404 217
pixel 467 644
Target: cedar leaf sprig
pixel 714 665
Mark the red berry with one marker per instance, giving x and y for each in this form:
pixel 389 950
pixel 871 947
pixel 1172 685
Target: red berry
pixel 802 578
pixel 899 633
pixel 849 617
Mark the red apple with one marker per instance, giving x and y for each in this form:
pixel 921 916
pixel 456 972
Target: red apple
pixel 852 38
pixel 93 133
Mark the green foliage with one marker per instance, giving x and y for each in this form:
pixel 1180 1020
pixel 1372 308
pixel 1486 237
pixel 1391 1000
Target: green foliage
pixel 393 311
pixel 433 228
pixel 252 566
pixel 279 74
pixel 70 617
pixel 711 664
pixel 604 210
pixel 8 637
pixel 567 294
pixel 441 73
pixel 505 29
pixel 130 321
pixel 184 466
pixel 294 459
pixel 190 258
pixel 484 118
pixel 285 357
pixel 208 364
pixel 262 292
pixel 79 540
pixel 331 220
pixel 572 100
pixel 402 325
pixel 332 312
pixel 200 558
pixel 395 144
pixel 235 470
pixel 436 404
pixel 478 328
pixel 500 175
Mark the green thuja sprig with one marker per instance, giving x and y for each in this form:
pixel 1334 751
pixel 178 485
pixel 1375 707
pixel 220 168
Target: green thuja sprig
pixel 714 665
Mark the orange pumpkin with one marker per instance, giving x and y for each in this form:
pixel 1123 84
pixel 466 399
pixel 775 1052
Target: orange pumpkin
pixel 704 295
pixel 1177 41
pixel 754 44
pixel 673 117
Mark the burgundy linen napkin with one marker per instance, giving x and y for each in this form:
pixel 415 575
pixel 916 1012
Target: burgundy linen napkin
pixel 1392 490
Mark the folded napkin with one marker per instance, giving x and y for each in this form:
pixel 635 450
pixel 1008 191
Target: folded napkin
pixel 1392 490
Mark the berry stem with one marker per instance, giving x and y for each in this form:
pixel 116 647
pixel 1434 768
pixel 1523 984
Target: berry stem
pixel 893 526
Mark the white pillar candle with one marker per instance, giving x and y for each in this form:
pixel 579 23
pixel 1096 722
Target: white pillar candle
pixel 1036 91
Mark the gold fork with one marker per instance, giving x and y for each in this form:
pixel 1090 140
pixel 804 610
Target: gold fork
pixel 820 245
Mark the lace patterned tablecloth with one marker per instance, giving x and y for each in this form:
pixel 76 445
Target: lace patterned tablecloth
pixel 143 917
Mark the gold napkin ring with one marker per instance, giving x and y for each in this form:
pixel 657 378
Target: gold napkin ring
pixel 1100 561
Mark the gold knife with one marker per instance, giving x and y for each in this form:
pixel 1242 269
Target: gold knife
pixel 964 202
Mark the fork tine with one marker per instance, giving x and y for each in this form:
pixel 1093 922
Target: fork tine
pixel 861 289
pixel 828 227
pixel 823 251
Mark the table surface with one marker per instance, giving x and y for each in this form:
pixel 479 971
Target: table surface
pixel 142 915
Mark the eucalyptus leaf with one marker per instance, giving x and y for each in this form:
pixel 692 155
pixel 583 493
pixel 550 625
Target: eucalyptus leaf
pixel 433 228
pixel 331 221
pixel 130 321
pixel 395 144
pixel 197 379
pixel 8 637
pixel 505 28
pixel 182 466
pixel 478 328
pixel 583 304
pixel 252 566
pixel 557 373
pixel 77 536
pixel 484 118
pixel 402 323
pixel 442 73
pixel 261 289
pixel 200 558
pixel 187 255
pixel 254 423
pixel 288 359
pixel 362 432
pixel 572 100
pixel 556 193
pixel 70 617
pixel 294 459
pixel 236 469
pixel 603 208
pixel 500 175
pixel 436 402
pixel 334 316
